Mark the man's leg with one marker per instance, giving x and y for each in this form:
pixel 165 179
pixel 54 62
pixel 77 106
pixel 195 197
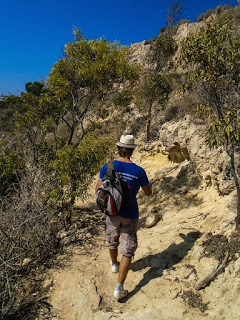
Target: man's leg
pixel 112 237
pixel 128 247
pixel 120 292
pixel 113 255
pixel 123 269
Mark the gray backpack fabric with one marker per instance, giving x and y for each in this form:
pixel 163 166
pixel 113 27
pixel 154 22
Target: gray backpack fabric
pixel 110 194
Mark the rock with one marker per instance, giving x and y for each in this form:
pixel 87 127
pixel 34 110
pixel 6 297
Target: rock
pixel 47 283
pixel 116 311
pixel 68 240
pixel 88 235
pixel 139 53
pixel 79 236
pixel 65 241
pixel 151 220
pixel 187 29
pixel 26 261
pixel 177 154
pixel 194 193
pixel 237 266
pixel 134 123
pixel 61 234
pixel 155 210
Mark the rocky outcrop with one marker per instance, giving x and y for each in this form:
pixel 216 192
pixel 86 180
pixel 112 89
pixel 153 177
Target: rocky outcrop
pixel 187 29
pixel 140 52
pixel 176 153
pixel 213 164
pixel 135 122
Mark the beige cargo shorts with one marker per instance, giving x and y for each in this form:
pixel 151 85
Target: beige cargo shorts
pixel 117 226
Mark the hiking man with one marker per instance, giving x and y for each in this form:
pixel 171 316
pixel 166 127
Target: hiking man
pixel 125 223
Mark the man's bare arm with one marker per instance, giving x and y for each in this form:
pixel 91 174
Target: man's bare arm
pixel 147 190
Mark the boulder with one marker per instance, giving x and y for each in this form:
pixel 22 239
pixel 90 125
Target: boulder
pixel 151 220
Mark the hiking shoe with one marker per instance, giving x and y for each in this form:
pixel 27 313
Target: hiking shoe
pixel 115 267
pixel 120 293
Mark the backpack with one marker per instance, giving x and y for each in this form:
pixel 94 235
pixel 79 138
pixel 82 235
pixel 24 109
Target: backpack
pixel 112 195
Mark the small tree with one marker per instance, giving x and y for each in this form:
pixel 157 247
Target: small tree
pixel 155 87
pixel 89 71
pixel 173 15
pixel 36 88
pixel 33 117
pixel 213 60
pixel 163 49
pixel 155 84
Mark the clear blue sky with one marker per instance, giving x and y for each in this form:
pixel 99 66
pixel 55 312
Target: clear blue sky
pixel 33 33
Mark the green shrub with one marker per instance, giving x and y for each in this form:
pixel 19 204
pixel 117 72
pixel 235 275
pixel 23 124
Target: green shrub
pixel 10 164
pixel 73 169
pixel 123 98
pixel 205 15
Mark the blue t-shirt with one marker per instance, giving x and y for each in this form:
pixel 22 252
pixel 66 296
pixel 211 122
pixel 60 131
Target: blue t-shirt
pixel 135 177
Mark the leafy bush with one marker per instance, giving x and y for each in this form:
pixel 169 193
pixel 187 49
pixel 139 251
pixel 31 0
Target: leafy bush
pixel 171 113
pixel 166 44
pixel 36 88
pixel 10 165
pixel 123 98
pixel 103 112
pixel 232 15
pixel 163 48
pixel 205 15
pixel 73 169
pixel 218 10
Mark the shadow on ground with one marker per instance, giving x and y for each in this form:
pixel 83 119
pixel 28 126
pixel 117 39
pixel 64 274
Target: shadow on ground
pixel 161 261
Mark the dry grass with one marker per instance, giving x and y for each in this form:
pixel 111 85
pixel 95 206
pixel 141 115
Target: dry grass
pixel 27 238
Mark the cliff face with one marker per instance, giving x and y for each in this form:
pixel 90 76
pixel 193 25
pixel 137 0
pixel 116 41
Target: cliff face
pixel 186 131
pixel 188 29
pixel 140 50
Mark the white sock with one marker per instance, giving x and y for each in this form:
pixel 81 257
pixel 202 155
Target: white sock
pixel 119 286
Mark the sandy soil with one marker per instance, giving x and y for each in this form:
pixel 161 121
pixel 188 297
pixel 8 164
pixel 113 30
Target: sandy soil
pixel 168 264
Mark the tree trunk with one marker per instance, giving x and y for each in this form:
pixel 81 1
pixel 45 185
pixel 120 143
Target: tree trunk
pixel 71 135
pixel 149 121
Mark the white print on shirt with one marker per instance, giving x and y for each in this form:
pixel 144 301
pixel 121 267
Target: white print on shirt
pixel 127 176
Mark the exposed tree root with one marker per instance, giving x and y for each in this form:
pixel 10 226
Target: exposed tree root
pixel 213 274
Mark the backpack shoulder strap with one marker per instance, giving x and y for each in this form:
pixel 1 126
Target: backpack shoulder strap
pixel 110 166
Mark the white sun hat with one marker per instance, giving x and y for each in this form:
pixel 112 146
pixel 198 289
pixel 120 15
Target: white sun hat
pixel 127 141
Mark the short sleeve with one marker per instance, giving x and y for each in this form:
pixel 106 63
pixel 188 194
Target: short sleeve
pixel 103 171
pixel 143 179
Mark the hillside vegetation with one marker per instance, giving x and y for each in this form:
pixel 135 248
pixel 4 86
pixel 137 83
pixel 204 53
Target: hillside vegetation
pixel 179 91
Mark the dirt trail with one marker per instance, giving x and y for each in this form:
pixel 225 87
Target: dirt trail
pixel 166 267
